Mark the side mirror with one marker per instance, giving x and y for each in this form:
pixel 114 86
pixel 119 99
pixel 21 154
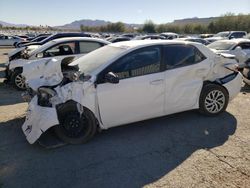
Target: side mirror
pixel 231 37
pixel 111 78
pixel 40 55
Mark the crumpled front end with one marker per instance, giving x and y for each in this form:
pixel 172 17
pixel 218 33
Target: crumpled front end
pixel 38 120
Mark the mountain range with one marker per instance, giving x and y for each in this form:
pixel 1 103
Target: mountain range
pixel 94 23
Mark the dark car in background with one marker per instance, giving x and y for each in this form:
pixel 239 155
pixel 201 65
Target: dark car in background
pixel 57 36
pixel 118 39
pixel 39 38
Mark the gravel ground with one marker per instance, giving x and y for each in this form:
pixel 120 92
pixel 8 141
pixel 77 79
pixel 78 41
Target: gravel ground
pixel 180 150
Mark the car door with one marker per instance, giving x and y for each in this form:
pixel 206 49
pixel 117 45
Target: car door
pixel 10 41
pixel 186 69
pixel 140 92
pixel 4 40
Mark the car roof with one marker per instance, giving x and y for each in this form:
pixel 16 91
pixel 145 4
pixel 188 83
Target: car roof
pixel 65 39
pixel 140 43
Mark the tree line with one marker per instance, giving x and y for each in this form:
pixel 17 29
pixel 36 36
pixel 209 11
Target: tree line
pixel 226 22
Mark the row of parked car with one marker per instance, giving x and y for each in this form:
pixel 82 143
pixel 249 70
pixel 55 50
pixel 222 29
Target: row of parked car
pixel 76 85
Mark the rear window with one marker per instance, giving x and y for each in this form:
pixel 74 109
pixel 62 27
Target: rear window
pixel 181 55
pixel 86 47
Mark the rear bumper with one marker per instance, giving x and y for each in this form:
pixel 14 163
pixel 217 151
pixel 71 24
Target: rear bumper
pixel 234 86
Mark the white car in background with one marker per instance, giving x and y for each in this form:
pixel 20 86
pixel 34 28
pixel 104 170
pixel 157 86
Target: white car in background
pixel 132 81
pixel 9 40
pixel 59 48
pixel 238 47
pixel 227 35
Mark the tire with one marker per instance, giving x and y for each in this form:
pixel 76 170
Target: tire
pixel 213 100
pixel 15 44
pixel 75 128
pixel 18 80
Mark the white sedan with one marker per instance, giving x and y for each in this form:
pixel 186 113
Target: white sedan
pixel 132 81
pixel 59 48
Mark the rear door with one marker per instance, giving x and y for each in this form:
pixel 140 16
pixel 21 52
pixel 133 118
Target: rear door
pixel 186 69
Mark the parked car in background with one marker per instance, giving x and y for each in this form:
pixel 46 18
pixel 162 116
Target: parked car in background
pixel 9 40
pixel 192 39
pixel 36 39
pixel 238 47
pixel 169 35
pixel 227 35
pixel 118 39
pixel 132 81
pixel 207 35
pixel 130 35
pixel 57 36
pixel 150 37
pixel 76 46
pixel 23 36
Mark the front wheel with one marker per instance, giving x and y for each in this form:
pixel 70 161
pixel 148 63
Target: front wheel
pixel 213 99
pixel 75 127
pixel 19 80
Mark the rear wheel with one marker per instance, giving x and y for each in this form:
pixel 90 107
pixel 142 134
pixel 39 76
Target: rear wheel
pixel 213 99
pixel 18 80
pixel 75 127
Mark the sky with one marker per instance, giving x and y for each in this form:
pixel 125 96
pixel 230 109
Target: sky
pixel 60 12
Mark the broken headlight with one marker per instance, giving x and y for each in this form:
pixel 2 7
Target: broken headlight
pixel 44 94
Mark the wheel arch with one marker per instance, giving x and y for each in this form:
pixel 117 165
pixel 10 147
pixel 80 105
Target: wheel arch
pixel 215 83
pixel 74 103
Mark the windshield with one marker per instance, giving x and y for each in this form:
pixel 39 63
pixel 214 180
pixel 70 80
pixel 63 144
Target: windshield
pixel 221 45
pixel 41 48
pixel 93 60
pixel 222 34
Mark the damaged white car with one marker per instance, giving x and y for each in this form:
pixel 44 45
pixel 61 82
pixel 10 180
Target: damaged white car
pixel 128 82
pixel 59 48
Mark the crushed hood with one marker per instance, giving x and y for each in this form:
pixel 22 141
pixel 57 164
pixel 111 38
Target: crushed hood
pixel 43 72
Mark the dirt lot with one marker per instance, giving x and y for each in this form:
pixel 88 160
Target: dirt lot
pixel 181 150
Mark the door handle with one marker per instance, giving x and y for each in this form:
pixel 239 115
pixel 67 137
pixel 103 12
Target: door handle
pixel 156 82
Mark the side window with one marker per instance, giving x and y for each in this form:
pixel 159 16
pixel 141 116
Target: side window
pixel 181 55
pixel 86 47
pixel 61 49
pixel 237 35
pixel 138 63
pixel 245 46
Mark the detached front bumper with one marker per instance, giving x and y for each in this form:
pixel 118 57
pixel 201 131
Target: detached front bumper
pixel 38 120
pixel 234 86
